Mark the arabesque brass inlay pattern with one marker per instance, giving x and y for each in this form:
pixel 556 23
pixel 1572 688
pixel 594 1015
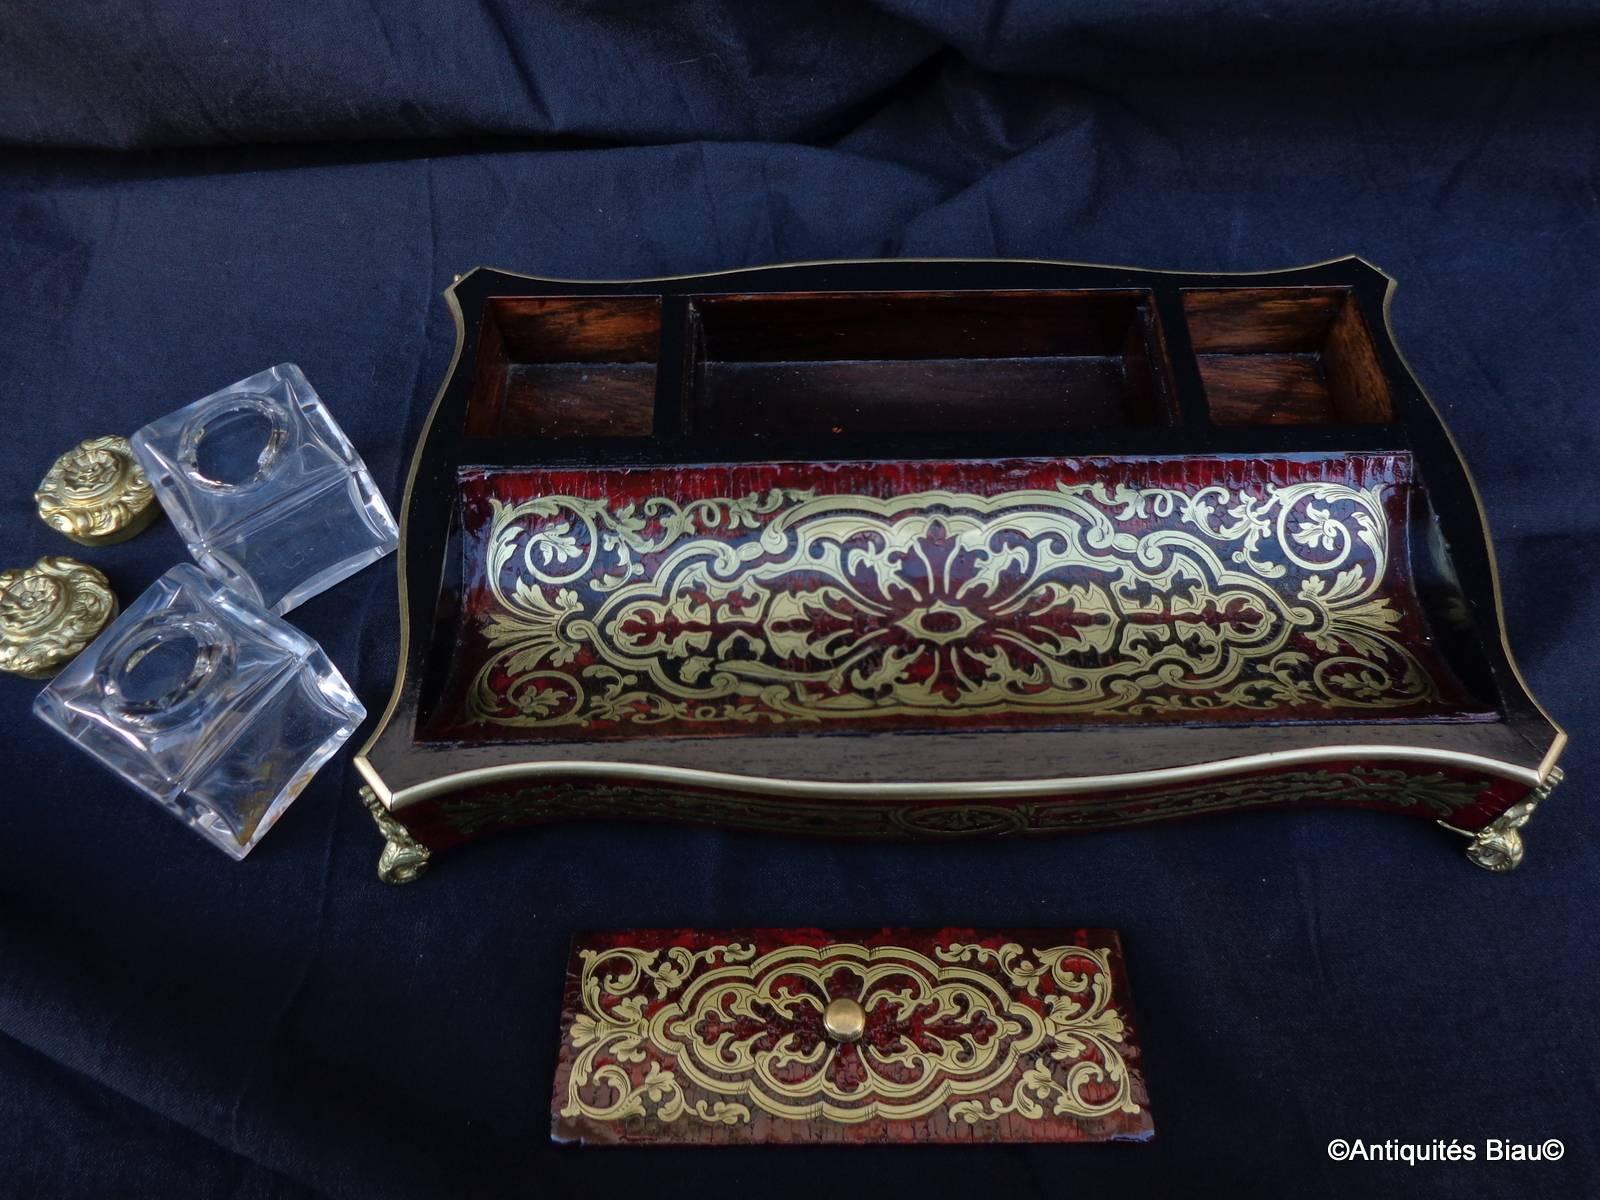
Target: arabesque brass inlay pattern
pixel 721 1035
pixel 1084 599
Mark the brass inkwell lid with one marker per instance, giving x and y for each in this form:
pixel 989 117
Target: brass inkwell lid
pixel 96 493
pixel 49 612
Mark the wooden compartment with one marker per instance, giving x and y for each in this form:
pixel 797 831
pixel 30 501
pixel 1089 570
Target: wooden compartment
pixel 883 362
pixel 1286 356
pixel 943 548
pixel 563 367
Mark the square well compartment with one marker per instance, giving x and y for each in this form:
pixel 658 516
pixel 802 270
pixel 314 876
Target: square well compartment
pixel 566 367
pixel 957 362
pixel 1286 356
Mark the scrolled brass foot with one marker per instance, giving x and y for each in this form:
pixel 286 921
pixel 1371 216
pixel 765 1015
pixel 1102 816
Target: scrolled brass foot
pixel 1498 845
pixel 403 857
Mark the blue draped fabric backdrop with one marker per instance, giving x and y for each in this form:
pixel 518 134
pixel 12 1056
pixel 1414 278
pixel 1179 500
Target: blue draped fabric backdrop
pixel 191 192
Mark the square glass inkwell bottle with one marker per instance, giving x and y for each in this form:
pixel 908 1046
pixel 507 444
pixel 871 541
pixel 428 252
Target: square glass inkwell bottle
pixel 218 710
pixel 266 489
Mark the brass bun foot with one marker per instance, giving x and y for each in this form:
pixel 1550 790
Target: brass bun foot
pixel 1498 845
pixel 403 857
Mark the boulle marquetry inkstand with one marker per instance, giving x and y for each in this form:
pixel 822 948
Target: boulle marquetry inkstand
pixel 939 549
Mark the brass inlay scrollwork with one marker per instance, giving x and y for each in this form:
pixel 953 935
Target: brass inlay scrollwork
pixel 978 1032
pixel 1084 599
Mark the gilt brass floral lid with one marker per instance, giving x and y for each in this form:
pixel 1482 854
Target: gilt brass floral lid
pixel 49 612
pixel 96 493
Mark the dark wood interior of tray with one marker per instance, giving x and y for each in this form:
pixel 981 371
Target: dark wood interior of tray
pixel 567 367
pixel 1286 356
pixel 846 365
pixel 960 362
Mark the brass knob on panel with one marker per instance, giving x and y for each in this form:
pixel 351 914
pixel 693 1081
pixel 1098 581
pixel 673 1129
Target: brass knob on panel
pixel 97 493
pixel 844 1020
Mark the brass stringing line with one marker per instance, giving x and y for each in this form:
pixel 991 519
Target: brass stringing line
pixel 1078 1017
pixel 541 625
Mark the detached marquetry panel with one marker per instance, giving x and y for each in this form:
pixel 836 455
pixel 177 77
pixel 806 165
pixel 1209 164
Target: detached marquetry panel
pixel 801 1036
